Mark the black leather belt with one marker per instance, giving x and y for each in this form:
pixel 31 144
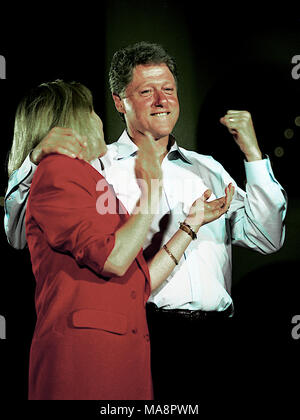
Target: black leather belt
pixel 193 315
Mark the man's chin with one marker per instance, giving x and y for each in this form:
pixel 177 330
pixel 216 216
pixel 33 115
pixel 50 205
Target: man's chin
pixel 159 134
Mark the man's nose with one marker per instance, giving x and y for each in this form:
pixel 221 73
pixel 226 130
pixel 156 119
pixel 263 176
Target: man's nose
pixel 160 98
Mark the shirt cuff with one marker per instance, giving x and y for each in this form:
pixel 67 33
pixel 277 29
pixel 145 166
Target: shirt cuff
pixel 22 176
pixel 26 171
pixel 259 171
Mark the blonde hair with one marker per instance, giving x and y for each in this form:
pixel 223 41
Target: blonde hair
pixel 51 104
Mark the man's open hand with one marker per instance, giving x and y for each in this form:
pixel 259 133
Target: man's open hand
pixel 204 211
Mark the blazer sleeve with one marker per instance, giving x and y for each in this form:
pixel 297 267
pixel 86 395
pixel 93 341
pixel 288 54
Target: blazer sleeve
pixel 63 203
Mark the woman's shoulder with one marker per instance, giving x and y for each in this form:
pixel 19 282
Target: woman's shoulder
pixel 62 168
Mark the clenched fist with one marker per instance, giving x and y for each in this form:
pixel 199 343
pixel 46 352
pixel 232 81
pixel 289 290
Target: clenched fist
pixel 240 125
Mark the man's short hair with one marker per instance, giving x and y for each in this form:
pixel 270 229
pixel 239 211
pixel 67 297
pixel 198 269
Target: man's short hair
pixel 126 59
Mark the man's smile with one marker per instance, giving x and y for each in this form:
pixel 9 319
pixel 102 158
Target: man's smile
pixel 160 114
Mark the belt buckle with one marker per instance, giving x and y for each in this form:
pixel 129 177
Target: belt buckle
pixel 198 315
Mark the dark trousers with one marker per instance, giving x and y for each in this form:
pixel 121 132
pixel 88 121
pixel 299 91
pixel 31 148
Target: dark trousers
pixel 212 361
pixel 190 358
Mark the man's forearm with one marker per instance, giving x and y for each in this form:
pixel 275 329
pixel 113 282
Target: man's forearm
pixel 253 155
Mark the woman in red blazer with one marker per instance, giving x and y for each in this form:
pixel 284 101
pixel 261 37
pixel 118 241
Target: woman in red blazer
pixel 91 337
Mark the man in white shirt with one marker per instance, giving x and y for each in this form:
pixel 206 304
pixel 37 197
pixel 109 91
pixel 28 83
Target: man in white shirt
pixel 186 313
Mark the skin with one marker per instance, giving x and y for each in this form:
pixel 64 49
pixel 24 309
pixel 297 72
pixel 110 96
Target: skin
pixel 151 109
pixel 68 142
pixel 153 91
pixel 150 103
pixel 130 237
pixel 240 125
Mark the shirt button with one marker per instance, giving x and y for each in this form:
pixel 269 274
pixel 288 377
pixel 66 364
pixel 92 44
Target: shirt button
pixel 146 337
pixel 134 330
pixel 133 294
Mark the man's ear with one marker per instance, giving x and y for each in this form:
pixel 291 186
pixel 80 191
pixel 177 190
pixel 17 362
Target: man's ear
pixel 118 103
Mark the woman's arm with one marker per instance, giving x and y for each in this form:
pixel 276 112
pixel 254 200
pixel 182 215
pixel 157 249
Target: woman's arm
pixel 130 237
pixel 63 204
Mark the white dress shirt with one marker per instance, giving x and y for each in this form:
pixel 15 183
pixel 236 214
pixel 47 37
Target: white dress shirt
pixel 202 279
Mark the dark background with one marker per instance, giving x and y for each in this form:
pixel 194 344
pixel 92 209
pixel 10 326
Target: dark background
pixel 226 60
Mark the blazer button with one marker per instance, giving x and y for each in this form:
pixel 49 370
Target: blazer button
pixel 134 331
pixel 133 294
pixel 147 338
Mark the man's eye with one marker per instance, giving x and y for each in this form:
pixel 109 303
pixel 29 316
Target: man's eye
pixel 169 90
pixel 146 92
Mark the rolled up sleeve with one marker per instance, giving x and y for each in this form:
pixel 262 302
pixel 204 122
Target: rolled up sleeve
pixel 257 214
pixel 62 203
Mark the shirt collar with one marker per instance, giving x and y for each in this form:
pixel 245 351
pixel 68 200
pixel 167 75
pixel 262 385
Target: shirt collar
pixel 125 148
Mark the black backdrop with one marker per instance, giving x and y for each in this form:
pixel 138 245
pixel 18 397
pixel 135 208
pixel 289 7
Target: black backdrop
pixel 226 61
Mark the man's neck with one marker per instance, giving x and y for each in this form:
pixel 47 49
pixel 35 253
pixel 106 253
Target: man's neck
pixel 163 144
pixel 162 147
